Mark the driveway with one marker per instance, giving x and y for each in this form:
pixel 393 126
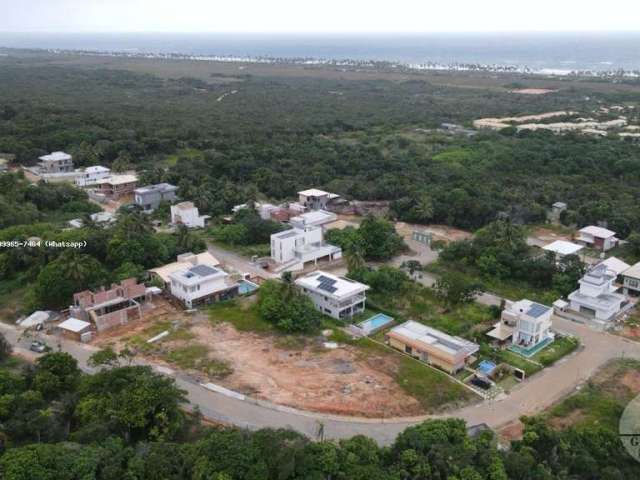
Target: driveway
pixel 530 397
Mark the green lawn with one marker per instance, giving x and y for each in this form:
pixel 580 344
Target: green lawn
pixel 195 356
pixel 242 314
pixel 560 347
pixel 433 389
pixel 602 400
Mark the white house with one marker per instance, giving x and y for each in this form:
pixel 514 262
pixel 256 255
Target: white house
pixel 562 248
pixel 92 175
pixel 294 248
pixel 314 199
pixel 631 280
pixel 598 237
pixel 531 321
pixel 315 218
pixel 337 297
pixel 616 266
pixel 201 284
pixel 186 213
pixel 596 297
pixel 184 261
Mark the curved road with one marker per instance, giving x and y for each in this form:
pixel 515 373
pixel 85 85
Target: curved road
pixel 532 396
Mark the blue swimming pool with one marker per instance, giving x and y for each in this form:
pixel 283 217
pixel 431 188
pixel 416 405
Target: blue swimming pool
pixel 246 287
pixel 375 323
pixel 486 367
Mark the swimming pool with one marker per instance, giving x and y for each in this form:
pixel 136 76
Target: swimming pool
pixel 486 367
pixel 375 323
pixel 245 287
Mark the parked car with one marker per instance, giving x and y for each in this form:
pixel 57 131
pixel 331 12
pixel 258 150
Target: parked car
pixel 38 346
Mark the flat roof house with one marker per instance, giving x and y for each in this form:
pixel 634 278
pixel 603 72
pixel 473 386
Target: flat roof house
pixel 294 248
pixel 315 218
pixel 56 162
pixel 598 237
pixel 631 280
pixel 202 284
pixel 183 262
pixel 186 213
pixel 432 346
pixel 149 197
pixel 117 186
pixel 562 248
pixel 596 297
pixel 110 308
pixel 338 297
pixel 91 175
pixel 314 199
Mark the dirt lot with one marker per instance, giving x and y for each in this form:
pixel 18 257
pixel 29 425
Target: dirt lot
pixel 439 232
pixel 312 378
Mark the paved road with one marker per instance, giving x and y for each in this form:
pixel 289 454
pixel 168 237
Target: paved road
pixel 530 397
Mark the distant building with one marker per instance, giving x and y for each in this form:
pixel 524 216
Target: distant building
pixel 631 280
pixel 314 199
pixel 294 248
pixel 596 297
pixel 527 323
pixel 556 210
pixel 75 329
pixel 183 262
pixel 110 308
pixel 201 284
pixel 56 162
pixel 338 297
pixel 562 248
pixel 91 175
pixel 149 197
pixel 598 237
pixel 186 213
pixel 616 266
pixel 117 186
pixel 316 218
pixel 432 346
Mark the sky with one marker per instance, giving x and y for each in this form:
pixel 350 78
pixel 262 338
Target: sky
pixel 318 16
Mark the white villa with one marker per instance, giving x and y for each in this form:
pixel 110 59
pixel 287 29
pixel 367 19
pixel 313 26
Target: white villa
pixel 186 213
pixel 201 284
pixel 314 199
pixel 527 323
pixel 598 237
pixel 596 297
pixel 338 297
pixel 294 248
pixel 92 175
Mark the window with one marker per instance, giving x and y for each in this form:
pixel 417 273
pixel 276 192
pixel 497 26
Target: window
pixel 408 349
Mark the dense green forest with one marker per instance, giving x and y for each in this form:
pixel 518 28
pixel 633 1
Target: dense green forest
pixel 367 139
pixel 125 422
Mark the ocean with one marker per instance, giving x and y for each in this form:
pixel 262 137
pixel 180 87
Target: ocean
pixel 538 51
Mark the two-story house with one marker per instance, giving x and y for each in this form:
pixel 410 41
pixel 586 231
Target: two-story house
pixel 92 175
pixel 201 284
pixel 598 237
pixel 149 197
pixel 187 214
pixel 314 199
pixel 338 297
pixel 56 162
pixel 631 280
pixel 294 248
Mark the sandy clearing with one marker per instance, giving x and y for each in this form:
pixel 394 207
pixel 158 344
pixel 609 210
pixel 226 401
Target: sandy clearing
pixel 338 381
